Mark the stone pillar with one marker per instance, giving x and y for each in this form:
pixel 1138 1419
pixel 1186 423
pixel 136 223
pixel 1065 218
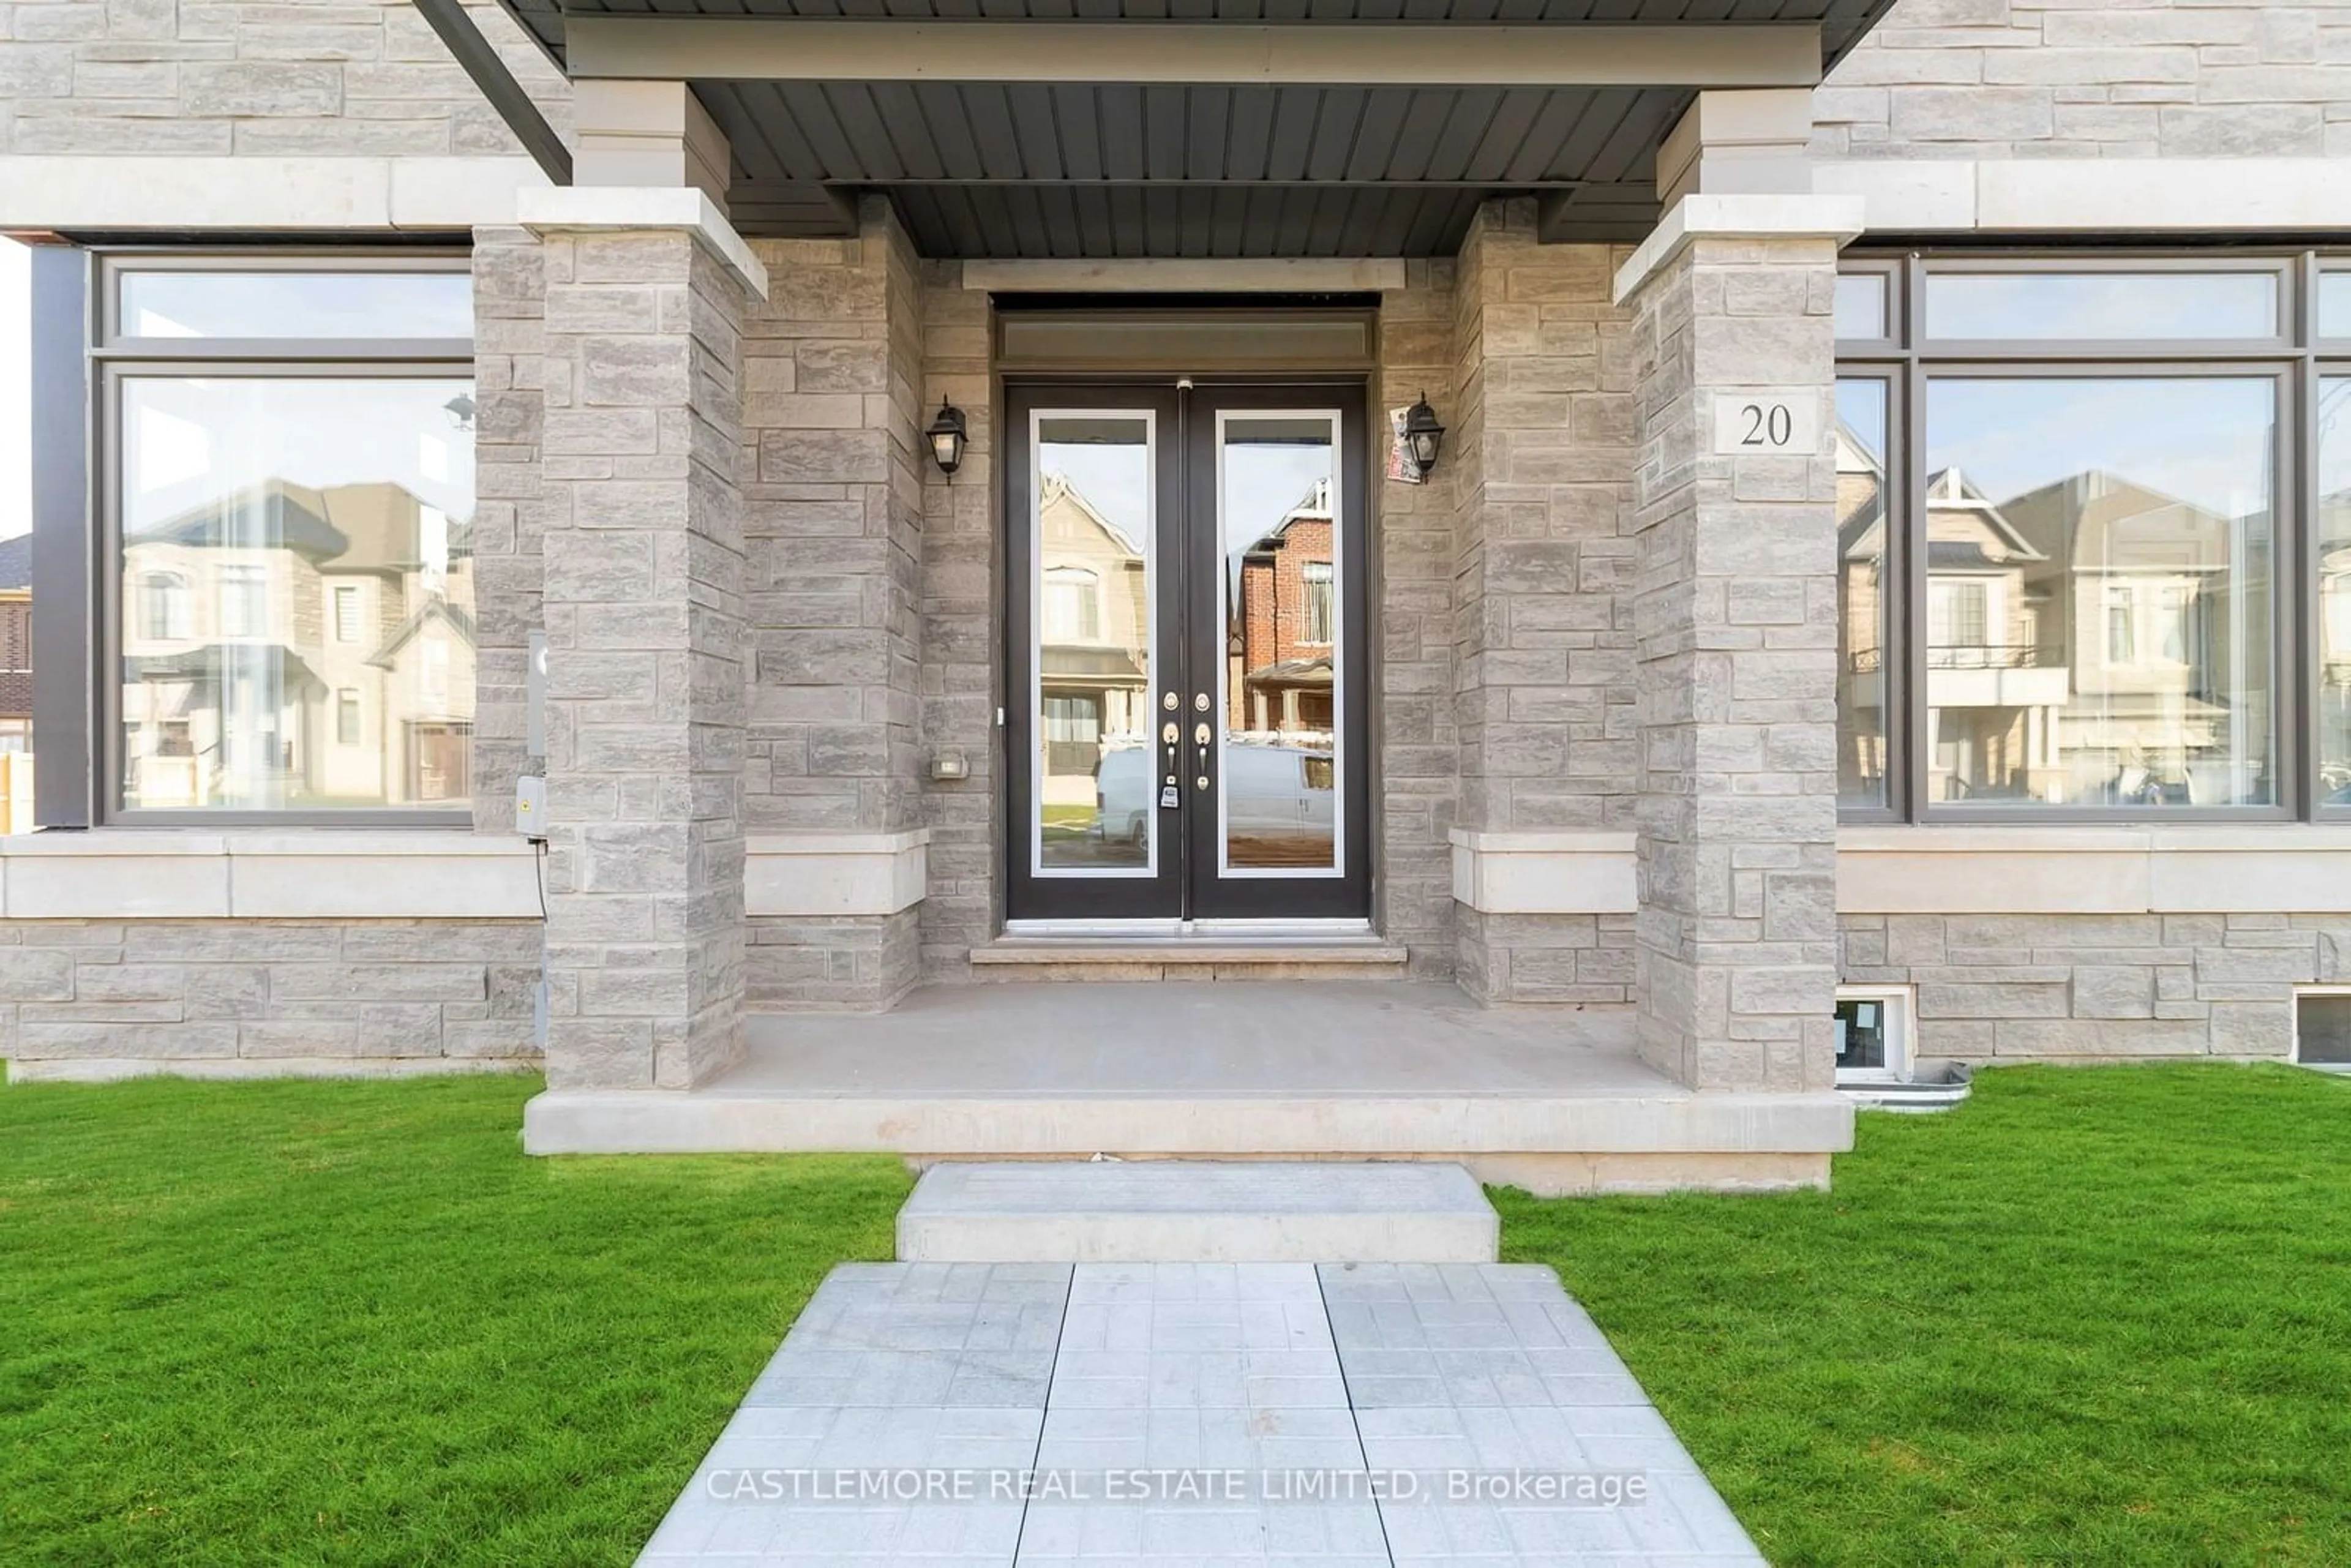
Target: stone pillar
pixel 1735 619
pixel 643 581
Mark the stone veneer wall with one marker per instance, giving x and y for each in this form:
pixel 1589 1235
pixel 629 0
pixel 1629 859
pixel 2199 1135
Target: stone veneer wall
pixel 1996 987
pixel 288 79
pixel 833 538
pixel 1545 553
pixel 509 508
pixel 91 998
pixel 2108 79
pixel 1416 786
pixel 962 636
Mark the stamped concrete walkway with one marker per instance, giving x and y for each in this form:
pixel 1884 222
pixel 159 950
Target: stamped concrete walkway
pixel 1345 1415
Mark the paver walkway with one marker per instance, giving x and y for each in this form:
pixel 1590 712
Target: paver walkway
pixel 1345 1415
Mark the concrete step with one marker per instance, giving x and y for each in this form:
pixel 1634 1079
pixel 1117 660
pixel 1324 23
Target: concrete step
pixel 1097 959
pixel 1197 1211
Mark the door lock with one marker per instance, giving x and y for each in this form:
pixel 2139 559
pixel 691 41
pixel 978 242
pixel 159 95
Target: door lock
pixel 1199 737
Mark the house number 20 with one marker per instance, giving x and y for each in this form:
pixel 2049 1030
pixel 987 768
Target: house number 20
pixel 1749 424
pixel 1768 425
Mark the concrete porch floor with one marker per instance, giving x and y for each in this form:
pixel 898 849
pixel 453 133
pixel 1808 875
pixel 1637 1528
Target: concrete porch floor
pixel 1552 1098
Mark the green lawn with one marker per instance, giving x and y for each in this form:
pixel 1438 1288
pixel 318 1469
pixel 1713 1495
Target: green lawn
pixel 350 1322
pixel 2094 1316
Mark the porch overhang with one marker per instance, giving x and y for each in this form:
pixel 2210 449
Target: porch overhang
pixel 1206 130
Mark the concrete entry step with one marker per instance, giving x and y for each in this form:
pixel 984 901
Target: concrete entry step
pixel 1197 1211
pixel 1098 959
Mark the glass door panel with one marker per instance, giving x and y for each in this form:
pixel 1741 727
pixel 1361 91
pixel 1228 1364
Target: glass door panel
pixel 1094 806
pixel 1280 689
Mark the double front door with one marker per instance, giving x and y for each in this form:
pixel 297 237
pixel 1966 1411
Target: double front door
pixel 1188 618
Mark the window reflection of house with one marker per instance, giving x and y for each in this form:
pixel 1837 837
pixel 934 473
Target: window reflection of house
pixel 1283 614
pixel 1094 660
pixel 16 643
pixel 1995 694
pixel 2094 642
pixel 1861 661
pixel 2334 554
pixel 291 646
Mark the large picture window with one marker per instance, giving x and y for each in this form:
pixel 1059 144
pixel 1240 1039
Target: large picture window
pixel 2112 581
pixel 289 484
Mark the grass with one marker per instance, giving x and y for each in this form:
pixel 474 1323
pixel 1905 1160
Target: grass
pixel 2094 1316
pixel 350 1322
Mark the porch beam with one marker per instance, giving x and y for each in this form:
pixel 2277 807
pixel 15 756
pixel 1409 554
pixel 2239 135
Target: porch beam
pixel 779 48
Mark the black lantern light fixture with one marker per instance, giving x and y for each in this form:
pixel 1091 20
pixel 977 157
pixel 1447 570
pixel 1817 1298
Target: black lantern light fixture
pixel 460 410
pixel 946 436
pixel 1421 434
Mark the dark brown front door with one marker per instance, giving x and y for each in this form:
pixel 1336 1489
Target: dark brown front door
pixel 1187 674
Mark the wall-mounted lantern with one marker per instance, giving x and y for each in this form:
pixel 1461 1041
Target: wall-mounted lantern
pixel 1421 434
pixel 946 437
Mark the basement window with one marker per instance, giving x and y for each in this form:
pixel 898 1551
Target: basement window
pixel 2322 1027
pixel 1873 1034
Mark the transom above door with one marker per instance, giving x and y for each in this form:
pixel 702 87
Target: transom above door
pixel 1186 712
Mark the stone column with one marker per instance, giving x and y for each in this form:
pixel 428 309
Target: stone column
pixel 643 556
pixel 1735 621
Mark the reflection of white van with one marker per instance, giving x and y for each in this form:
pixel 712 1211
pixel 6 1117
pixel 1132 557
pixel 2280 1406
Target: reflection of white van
pixel 1273 794
pixel 1279 793
pixel 1122 796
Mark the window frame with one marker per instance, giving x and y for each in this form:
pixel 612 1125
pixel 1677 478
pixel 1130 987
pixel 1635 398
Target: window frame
pixel 113 358
pixel 2296 359
pixel 1894 595
pixel 2323 992
pixel 1899 1030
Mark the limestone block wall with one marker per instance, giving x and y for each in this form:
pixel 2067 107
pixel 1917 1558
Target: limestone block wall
pixel 90 999
pixel 962 635
pixel 509 508
pixel 833 524
pixel 1415 729
pixel 2131 78
pixel 298 79
pixel 1544 551
pixel 2003 987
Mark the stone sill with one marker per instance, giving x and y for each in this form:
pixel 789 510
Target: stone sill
pixel 154 874
pixel 834 875
pixel 1564 872
pixel 2284 868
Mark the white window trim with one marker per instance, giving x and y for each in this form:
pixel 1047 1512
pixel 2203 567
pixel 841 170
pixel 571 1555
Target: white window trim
pixel 1901 1012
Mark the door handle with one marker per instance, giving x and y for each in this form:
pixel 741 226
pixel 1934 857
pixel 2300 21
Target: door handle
pixel 1201 739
